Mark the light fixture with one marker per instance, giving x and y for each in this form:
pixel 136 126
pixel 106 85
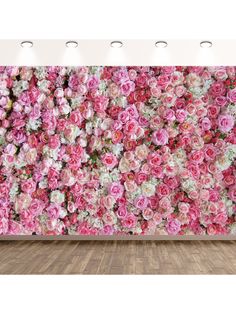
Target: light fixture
pixel 71 44
pixel 206 44
pixel 116 44
pixel 26 44
pixel 161 44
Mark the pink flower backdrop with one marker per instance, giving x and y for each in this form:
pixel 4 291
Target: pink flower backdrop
pixel 117 150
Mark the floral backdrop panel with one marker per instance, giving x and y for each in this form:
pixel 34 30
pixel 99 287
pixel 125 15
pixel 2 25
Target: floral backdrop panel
pixel 117 150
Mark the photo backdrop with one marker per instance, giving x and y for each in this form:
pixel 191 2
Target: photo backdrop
pixel 117 150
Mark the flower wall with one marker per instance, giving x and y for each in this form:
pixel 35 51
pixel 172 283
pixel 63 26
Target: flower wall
pixel 117 150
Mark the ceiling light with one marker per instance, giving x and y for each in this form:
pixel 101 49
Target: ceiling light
pixel 71 44
pixel 26 44
pixel 116 44
pixel 206 44
pixel 161 44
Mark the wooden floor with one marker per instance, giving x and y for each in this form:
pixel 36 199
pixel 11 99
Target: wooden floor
pixel 118 257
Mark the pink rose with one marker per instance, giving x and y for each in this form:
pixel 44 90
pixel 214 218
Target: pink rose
pixel 53 211
pixel 231 95
pixel 129 221
pixel 217 89
pixel 28 186
pixel 127 87
pixel 181 115
pixel 116 190
pixel 173 226
pixel 109 160
pixel 163 190
pixel 225 122
pixel 54 141
pixel 221 101
pixel 209 152
pixel 154 159
pixel 197 156
pixel 131 127
pixel 221 218
pixel 232 193
pixel 205 124
pixel 160 137
pixel 121 212
pixel 141 202
pixel 74 82
pixel 93 82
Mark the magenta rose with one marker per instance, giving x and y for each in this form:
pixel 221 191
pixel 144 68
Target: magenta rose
pixel 160 137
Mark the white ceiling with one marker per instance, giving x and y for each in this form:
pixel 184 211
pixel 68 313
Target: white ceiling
pixel 127 19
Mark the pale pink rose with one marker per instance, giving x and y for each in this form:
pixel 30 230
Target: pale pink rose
pixel 123 116
pixel 169 115
pixel 53 211
pixel 93 82
pixel 141 202
pixel 160 137
pixel 183 207
pixel 74 82
pixel 129 221
pixel 225 122
pixel 28 186
pixel 173 226
pixel 204 195
pixel 147 213
pixel 211 230
pixel 180 90
pixel 206 124
pixel 120 76
pixel 181 115
pixel 156 91
pixel 231 95
pixel 109 160
pixel 221 218
pixel 127 87
pixel 157 218
pixel 116 190
pixel 67 177
pixel 108 201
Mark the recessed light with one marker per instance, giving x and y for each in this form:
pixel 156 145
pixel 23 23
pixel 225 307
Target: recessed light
pixel 26 44
pixel 206 44
pixel 71 44
pixel 161 44
pixel 116 44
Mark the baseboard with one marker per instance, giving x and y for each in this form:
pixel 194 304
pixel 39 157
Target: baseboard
pixel 118 237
